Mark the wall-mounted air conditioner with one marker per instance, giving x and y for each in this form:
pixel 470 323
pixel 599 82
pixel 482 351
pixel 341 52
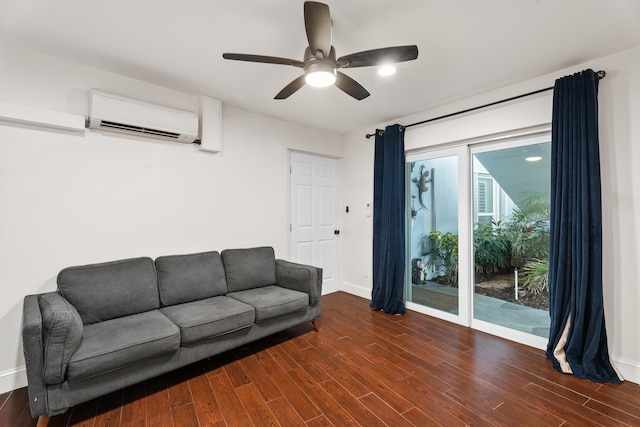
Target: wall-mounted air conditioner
pixel 119 114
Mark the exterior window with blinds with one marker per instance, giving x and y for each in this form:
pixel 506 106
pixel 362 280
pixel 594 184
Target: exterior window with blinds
pixel 485 205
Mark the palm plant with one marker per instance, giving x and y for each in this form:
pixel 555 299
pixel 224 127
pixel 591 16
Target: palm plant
pixel 535 276
pixel 491 249
pixel 528 229
pixel 443 256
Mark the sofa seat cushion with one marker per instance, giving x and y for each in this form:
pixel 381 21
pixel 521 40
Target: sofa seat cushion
pixel 113 344
pixel 272 301
pixel 209 317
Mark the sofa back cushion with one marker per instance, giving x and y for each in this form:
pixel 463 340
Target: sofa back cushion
pixel 186 278
pixel 112 289
pixel 249 268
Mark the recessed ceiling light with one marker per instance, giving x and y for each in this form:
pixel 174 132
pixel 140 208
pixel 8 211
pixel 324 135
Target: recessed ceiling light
pixel 533 158
pixel 386 70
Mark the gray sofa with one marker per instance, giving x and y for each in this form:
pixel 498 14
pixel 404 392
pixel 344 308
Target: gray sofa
pixel 114 324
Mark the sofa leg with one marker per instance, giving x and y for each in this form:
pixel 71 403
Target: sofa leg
pixel 314 322
pixel 43 421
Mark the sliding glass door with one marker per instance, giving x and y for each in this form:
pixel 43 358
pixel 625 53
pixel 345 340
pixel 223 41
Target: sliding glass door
pixel 434 264
pixel 511 190
pixel 478 236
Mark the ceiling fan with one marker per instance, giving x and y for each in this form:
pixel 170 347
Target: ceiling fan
pixel 320 64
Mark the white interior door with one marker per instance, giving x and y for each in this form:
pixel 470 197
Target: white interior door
pixel 315 208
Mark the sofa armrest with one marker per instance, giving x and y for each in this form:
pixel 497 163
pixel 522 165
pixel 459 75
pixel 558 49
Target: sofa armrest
pixel 300 277
pixel 33 354
pixel 61 335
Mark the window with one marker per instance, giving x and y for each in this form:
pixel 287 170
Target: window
pixel 485 209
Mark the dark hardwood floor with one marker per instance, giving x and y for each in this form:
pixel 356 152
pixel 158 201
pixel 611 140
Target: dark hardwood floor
pixel 363 368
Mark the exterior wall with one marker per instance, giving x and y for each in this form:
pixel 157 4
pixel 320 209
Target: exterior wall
pixel 444 182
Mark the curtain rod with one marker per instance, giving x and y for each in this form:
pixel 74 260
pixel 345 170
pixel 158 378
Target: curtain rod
pixel 599 74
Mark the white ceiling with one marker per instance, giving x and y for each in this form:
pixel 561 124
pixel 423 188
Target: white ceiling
pixel 465 47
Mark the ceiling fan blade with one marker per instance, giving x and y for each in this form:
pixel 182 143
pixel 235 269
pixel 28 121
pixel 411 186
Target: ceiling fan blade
pixel 317 22
pixel 291 88
pixel 263 59
pixel 350 86
pixel 385 55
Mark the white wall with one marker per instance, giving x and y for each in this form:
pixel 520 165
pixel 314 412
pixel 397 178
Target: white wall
pixel 69 199
pixel 619 108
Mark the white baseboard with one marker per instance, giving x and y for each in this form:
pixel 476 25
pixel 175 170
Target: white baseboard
pixel 356 290
pixel 629 370
pixel 13 379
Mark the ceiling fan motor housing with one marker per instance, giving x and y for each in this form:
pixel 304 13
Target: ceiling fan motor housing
pixel 320 71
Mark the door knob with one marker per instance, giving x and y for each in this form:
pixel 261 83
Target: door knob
pixel 336 232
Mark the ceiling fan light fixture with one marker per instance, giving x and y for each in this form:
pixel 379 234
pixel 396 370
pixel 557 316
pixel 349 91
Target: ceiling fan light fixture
pixel 386 70
pixel 320 74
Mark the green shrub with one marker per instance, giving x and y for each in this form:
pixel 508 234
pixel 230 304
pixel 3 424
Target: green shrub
pixel 528 229
pixel 535 276
pixel 443 256
pixel 491 250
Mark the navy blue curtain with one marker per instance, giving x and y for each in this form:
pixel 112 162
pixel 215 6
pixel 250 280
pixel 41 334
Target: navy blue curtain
pixel 577 337
pixel 389 221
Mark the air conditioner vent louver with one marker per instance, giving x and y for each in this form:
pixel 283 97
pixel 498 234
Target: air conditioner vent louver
pixel 119 114
pixel 138 129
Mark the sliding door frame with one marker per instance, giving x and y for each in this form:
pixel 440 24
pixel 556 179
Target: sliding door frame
pixel 481 325
pixel 464 150
pixel 464 247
